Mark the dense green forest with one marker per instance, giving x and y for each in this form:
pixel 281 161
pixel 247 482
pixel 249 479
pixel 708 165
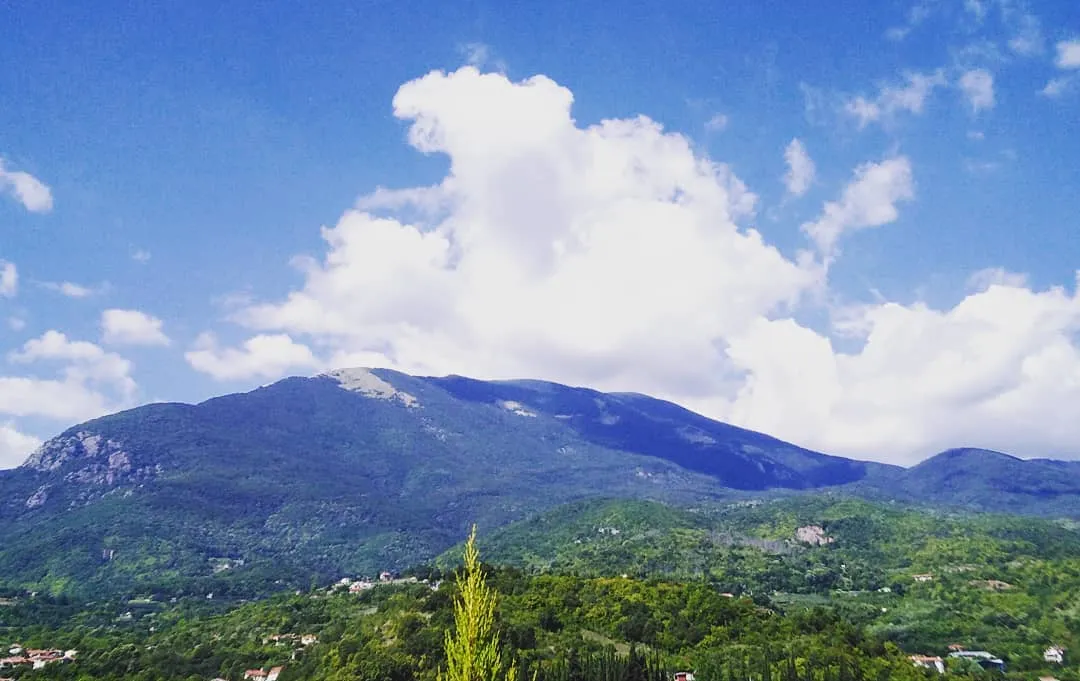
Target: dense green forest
pixel 638 588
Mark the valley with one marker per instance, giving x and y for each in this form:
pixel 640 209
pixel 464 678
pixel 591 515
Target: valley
pixel 210 541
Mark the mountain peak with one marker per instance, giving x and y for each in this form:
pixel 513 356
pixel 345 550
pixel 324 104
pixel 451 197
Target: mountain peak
pixel 970 454
pixel 365 381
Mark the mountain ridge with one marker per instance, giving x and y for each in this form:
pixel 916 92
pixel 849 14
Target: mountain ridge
pixel 356 470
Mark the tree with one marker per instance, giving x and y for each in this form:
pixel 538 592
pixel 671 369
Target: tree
pixel 472 649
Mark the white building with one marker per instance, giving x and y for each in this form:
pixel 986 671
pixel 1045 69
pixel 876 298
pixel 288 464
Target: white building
pixel 1054 655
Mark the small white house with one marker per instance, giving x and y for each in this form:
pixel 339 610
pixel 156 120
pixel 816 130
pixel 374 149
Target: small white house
pixel 929 662
pixel 1054 655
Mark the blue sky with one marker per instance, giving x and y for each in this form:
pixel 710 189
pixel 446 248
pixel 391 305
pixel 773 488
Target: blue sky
pixel 879 261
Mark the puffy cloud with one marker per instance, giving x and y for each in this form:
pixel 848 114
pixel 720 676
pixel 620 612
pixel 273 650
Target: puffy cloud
pixel 141 255
pixel 978 87
pixel 916 15
pixel 999 369
pixel 9 279
pixel 263 356
pixel 909 96
pixel 15 446
pixel 67 399
pixel 612 249
pixel 717 123
pixel 26 189
pixel 91 381
pixel 1027 39
pixel 132 327
pixel 1068 54
pixel 86 362
pixel 800 168
pixel 1055 87
pixel 869 200
pixel 614 256
pixel 69 289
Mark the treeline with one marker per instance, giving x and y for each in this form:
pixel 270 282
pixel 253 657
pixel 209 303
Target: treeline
pixel 558 627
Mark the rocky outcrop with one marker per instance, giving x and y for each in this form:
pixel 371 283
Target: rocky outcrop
pixel 88 458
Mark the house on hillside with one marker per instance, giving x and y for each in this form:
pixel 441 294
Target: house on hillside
pixel 274 673
pixel 929 662
pixel 1054 655
pixel 982 658
pixel 683 676
pixel 923 578
pixel 255 675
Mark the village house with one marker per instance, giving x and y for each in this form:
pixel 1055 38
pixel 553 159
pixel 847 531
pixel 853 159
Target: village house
pixel 360 586
pixel 683 676
pixel 36 659
pixel 923 578
pixel 929 662
pixel 984 659
pixel 1054 655
pixel 260 675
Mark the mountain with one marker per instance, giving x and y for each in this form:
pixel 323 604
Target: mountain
pixel 629 422
pixel 991 481
pixel 359 470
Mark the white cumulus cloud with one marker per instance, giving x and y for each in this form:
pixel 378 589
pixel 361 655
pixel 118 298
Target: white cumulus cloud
pixel 718 122
pixel 909 96
pixel 1055 87
pixel 1000 369
pixel 585 249
pixel 69 289
pixel 978 87
pixel 9 279
pixel 265 356
pixel 869 200
pixel 85 361
pixel 615 256
pixel 14 445
pixel 31 192
pixel 1068 54
pixel 132 327
pixel 88 381
pixel 800 168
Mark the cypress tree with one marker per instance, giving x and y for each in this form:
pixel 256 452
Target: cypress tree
pixel 472 648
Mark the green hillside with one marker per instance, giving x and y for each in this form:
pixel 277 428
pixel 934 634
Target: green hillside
pixel 1000 581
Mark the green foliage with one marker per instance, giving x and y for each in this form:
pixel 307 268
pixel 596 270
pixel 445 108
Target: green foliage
pixel 472 648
